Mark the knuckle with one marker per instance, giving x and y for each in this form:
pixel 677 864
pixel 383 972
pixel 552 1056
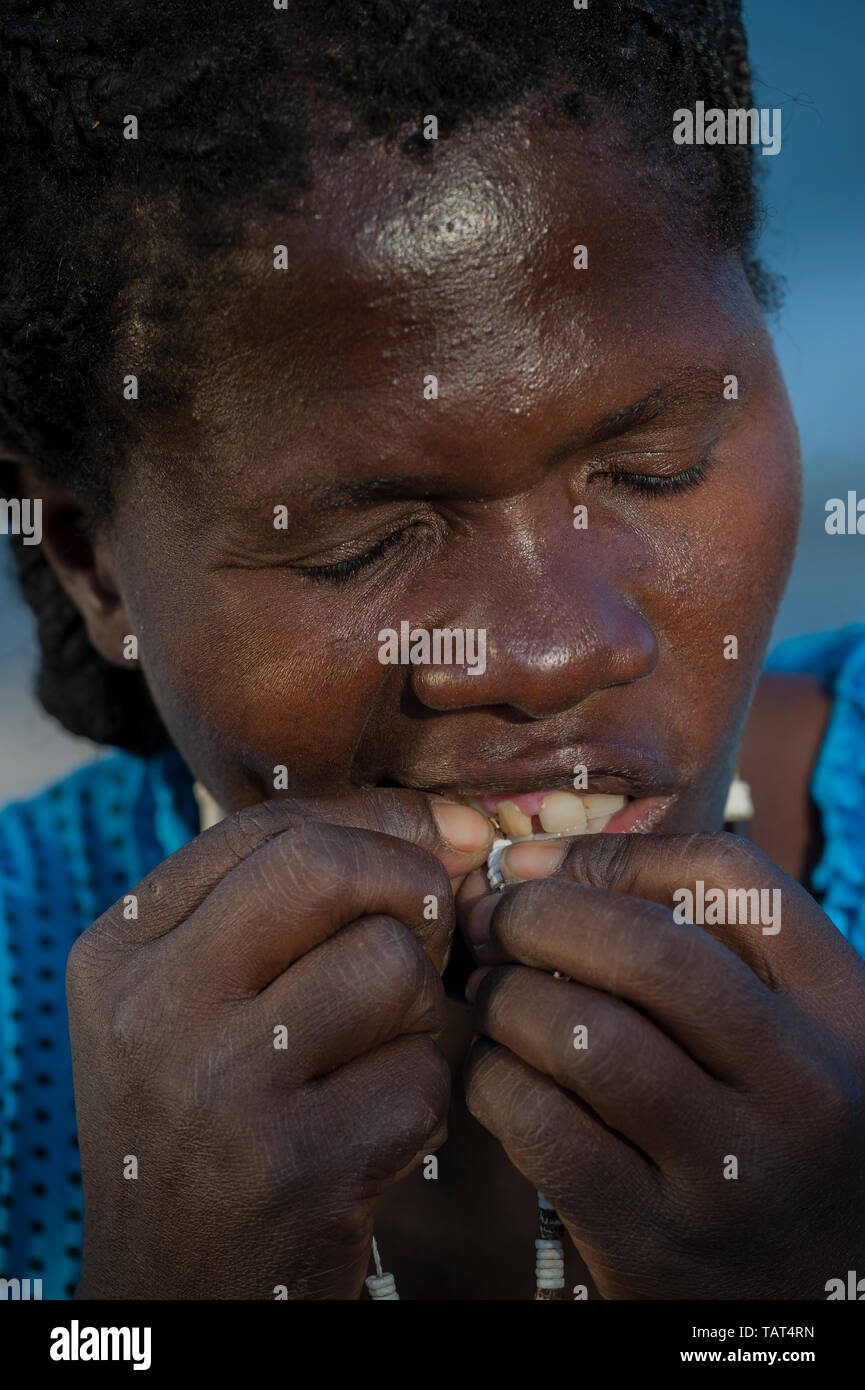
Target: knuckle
pixel 600 1061
pixel 530 901
pixel 731 856
pixel 90 960
pixel 667 960
pixel 837 1097
pixel 416 1086
pixel 407 974
pixel 496 991
pixel 409 818
pixel 598 860
pixel 426 1083
pixel 428 998
pixel 526 1115
pixel 305 859
pixel 134 1031
pixel 437 877
pixel 78 967
pixel 318 857
pixel 243 831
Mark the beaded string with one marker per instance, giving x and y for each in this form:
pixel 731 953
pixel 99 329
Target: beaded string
pixel 381 1285
pixel 549 1245
pixel 549 1261
pixel 549 1253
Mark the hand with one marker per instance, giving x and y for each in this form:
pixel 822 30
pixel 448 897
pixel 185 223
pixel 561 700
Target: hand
pixel 254 1055
pixel 707 1140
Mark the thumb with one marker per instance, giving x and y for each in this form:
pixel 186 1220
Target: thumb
pixel 458 835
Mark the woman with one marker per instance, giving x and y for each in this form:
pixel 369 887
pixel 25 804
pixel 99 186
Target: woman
pixel 291 365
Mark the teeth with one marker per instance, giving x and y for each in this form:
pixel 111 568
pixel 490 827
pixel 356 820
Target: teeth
pixel 514 822
pixel 562 811
pixel 598 805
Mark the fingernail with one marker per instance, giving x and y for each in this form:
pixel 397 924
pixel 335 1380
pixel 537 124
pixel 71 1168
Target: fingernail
pixel 462 827
pixel 533 859
pixel 474 886
pixel 473 984
pixel 477 927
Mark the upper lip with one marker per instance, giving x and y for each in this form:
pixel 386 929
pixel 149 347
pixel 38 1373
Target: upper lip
pixel 611 768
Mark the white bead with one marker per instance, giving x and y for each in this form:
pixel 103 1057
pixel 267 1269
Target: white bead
pixel 382 1286
pixel 549 1282
pixel 739 804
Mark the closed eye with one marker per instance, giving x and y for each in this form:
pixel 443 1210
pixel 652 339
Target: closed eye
pixel 344 570
pixel 653 484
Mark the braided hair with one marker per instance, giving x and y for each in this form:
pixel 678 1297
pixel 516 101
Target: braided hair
pixel 101 237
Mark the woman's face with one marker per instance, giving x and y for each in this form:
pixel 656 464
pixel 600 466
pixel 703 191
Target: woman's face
pixel 605 645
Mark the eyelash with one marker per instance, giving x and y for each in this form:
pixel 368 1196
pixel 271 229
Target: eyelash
pixel 647 484
pixel 654 483
pixel 345 570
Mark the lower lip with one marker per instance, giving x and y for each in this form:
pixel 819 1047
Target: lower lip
pixel 641 814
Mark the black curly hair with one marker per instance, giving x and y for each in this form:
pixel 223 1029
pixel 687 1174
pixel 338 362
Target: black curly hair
pixel 101 237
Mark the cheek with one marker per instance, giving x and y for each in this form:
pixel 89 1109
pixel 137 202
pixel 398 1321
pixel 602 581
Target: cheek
pixel 248 674
pixel 724 577
pixel 751 527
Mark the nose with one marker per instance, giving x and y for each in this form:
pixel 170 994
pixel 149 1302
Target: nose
pixel 555 632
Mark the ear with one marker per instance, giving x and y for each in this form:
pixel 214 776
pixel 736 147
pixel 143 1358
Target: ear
pixel 81 554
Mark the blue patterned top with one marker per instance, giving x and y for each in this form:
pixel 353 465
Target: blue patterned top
pixel 69 853
pixel 65 857
pixel 838 782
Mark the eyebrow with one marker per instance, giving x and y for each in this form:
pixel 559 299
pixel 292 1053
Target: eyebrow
pixel 692 384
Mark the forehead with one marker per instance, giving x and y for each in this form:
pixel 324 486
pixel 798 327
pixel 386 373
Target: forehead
pixel 460 267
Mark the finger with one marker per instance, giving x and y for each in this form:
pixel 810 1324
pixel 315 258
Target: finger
pixel 296 891
pixel 399 1095
pixel 473 887
pixel 457 835
pixel 595 1180
pixel 701 994
pixel 599 1048
pixel 748 903
pixel 366 985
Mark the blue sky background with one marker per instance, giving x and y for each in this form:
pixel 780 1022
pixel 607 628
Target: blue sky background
pixel 808 59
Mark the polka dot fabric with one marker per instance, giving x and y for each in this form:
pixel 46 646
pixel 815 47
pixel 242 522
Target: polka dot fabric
pixel 65 857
